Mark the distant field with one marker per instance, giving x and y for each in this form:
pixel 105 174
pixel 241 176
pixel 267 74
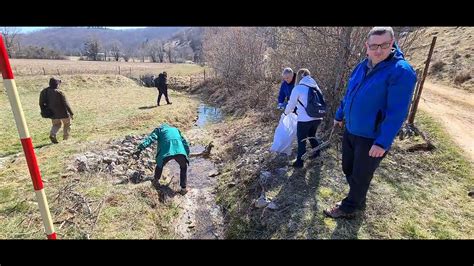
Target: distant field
pixel 26 67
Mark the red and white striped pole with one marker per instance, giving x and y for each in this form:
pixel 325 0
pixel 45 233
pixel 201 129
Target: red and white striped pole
pixel 9 82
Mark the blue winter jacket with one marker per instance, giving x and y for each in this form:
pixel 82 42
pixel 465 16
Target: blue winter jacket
pixel 376 104
pixel 285 90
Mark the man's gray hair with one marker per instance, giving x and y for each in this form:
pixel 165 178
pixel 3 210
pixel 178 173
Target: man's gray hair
pixel 287 71
pixel 381 31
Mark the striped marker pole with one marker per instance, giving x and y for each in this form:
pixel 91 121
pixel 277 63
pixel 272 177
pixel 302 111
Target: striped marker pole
pixel 9 82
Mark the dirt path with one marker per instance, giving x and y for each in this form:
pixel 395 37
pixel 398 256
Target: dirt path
pixel 454 108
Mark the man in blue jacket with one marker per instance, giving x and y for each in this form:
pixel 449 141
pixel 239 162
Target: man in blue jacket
pixel 376 103
pixel 286 87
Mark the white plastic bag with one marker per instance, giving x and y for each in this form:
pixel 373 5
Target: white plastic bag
pixel 285 134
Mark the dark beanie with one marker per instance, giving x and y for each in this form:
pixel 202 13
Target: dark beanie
pixel 53 83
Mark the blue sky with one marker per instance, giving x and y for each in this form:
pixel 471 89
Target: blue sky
pixel 31 29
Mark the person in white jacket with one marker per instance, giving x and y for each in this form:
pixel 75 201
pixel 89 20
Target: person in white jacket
pixel 307 125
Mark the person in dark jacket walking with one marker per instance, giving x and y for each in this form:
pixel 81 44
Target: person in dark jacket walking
pixel 162 85
pixel 374 107
pixel 60 112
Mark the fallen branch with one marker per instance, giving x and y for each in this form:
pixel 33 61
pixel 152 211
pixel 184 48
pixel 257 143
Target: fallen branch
pixel 321 146
pixel 98 209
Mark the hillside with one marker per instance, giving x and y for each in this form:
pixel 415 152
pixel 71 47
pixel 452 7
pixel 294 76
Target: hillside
pixel 71 39
pixel 452 61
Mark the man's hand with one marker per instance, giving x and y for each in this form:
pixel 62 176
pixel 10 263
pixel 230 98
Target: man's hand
pixel 281 106
pixel 376 151
pixel 338 123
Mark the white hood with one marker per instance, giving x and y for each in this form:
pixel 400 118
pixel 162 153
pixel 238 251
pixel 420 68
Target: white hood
pixel 308 81
pixel 300 94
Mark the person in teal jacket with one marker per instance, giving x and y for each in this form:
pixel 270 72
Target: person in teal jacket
pixel 171 146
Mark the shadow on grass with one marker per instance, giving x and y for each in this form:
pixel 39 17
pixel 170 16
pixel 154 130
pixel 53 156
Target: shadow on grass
pixel 147 107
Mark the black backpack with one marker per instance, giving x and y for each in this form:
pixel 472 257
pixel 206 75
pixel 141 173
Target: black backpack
pixel 46 112
pixel 316 105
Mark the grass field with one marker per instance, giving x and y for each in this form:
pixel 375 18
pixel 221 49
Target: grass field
pixel 106 107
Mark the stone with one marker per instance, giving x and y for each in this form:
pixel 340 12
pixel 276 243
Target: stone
pixel 71 168
pixel 272 206
pixel 82 164
pixel 262 202
pixel 66 175
pixel 110 167
pixel 214 173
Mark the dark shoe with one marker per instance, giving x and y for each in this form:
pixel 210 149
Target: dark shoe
pixel 335 213
pixel 53 139
pixel 362 207
pixel 170 103
pixel 298 164
pixel 183 191
pixel 155 183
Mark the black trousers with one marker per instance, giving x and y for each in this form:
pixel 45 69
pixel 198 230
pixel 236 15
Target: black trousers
pixel 359 169
pixel 162 91
pixel 304 130
pixel 183 167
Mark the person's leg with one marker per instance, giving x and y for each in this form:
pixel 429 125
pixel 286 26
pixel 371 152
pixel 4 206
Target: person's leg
pixel 54 130
pixel 363 170
pixel 160 92
pixel 165 91
pixel 347 155
pixel 67 128
pixel 159 170
pixel 183 167
pixel 312 134
pixel 301 133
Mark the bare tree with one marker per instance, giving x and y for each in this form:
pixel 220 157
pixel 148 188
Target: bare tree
pixel 155 51
pixel 169 50
pixel 196 46
pixel 10 35
pixel 235 53
pixel 184 53
pixel 116 47
pixel 92 48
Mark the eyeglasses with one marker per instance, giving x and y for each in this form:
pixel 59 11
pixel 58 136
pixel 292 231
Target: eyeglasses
pixel 384 45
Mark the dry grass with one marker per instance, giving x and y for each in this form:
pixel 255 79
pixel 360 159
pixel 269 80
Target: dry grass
pixel 453 48
pixel 69 67
pixel 106 107
pixel 461 78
